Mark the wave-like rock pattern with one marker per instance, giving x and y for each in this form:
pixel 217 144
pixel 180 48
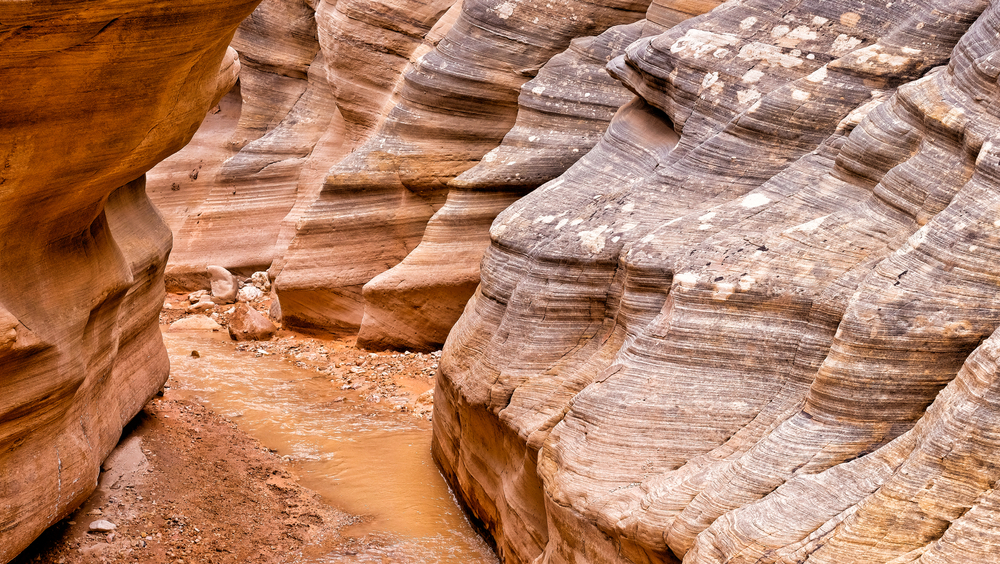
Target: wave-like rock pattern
pixel 817 198
pixel 317 77
pixel 94 95
pixel 454 105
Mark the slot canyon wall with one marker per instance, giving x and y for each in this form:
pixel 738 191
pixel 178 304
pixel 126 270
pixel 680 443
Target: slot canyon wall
pixel 94 94
pixel 756 322
pixel 371 144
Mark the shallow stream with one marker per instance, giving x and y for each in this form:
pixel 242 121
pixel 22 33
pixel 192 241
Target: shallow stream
pixel 362 459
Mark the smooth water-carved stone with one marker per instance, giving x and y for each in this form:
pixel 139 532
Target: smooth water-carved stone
pixel 454 105
pixel 706 306
pixel 83 252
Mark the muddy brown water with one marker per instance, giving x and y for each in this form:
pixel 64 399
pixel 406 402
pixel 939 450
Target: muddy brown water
pixel 364 460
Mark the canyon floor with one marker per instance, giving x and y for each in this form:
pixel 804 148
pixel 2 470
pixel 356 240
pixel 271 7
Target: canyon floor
pixel 186 484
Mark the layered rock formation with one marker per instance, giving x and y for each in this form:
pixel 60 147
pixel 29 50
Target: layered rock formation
pixel 715 338
pixel 455 104
pixel 317 77
pixel 95 93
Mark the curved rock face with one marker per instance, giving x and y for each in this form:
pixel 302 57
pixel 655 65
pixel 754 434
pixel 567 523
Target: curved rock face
pixel 562 113
pixel 715 338
pixel 454 105
pixel 94 95
pixel 316 78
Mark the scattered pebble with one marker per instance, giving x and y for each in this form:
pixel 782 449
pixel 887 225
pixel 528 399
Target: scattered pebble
pixel 102 526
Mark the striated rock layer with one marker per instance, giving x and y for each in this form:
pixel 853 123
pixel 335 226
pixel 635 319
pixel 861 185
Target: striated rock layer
pixel 455 104
pixel 316 78
pixel 94 95
pixel 562 113
pixel 723 334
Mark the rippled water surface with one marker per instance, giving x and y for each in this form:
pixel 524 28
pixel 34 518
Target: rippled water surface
pixel 363 460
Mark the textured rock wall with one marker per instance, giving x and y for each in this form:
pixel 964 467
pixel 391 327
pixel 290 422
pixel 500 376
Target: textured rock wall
pixel 95 93
pixel 316 78
pixel 455 104
pixel 713 337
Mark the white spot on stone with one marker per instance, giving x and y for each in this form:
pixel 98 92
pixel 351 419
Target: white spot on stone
pixel 704 226
pixel 819 20
pixel 746 282
pixel 575 222
pixel 647 238
pixel 747 23
pixel 802 33
pixel 615 239
pixel 752 75
pixel 910 50
pixel 972 248
pixel 702 42
pixel 810 56
pixel 686 278
pixel 628 207
pixel 720 53
pixel 754 107
pixel 770 53
pixel 532 139
pixel 819 75
pixel 537 91
pixel 800 95
pixel 780 31
pixel 747 96
pixel 894 60
pixel 708 216
pixel 505 10
pixel 593 241
pixel 491 156
pixel 562 222
pixel 710 79
pixel 751 201
pixel 844 44
pixel 723 290
pixel 545 219
pixel 809 226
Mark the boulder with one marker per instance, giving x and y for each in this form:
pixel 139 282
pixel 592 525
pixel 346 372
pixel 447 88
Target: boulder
pixel 195 323
pixel 247 324
pixel 225 286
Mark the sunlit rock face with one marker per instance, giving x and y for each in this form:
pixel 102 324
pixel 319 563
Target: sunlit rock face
pixel 561 115
pixel 454 105
pixel 95 93
pixel 316 81
pixel 744 327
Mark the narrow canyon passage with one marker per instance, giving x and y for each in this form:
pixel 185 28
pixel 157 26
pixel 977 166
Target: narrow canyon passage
pixel 363 457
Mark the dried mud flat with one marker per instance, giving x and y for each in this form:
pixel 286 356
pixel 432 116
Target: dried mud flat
pixel 186 485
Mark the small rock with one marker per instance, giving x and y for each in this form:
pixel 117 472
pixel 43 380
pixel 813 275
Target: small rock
pixel 195 323
pixel 261 281
pixel 248 294
pixel 224 285
pixel 102 526
pixel 195 354
pixel 196 296
pixel 167 305
pixel 247 324
pixel 203 305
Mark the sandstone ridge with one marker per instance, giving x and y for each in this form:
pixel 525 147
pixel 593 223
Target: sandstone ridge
pixel 94 95
pixel 754 323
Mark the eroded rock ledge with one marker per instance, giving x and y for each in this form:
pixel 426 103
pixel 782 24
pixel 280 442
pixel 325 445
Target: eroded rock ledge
pixel 95 94
pixel 754 323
